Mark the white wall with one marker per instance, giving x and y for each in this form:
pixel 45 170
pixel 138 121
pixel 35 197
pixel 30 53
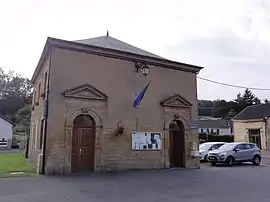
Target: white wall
pixel 5 129
pixel 222 131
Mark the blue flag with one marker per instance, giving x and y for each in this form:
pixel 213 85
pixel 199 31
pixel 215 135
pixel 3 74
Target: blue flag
pixel 140 96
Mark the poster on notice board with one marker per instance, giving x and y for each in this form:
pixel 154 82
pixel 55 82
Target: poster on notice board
pixel 146 141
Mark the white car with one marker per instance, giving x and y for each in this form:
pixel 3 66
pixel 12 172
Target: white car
pixel 204 148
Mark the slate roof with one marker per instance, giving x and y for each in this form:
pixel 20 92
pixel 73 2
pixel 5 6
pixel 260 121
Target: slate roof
pixel 254 112
pixel 111 47
pixel 115 44
pixel 212 124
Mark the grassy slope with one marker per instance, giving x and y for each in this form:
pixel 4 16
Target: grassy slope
pixel 10 162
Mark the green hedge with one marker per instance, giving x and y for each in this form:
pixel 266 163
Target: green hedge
pixel 215 138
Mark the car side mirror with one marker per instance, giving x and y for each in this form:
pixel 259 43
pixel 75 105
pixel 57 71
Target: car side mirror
pixel 236 150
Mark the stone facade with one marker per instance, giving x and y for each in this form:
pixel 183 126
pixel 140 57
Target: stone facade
pixel 104 88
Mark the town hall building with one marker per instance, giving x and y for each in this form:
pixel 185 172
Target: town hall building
pixel 84 115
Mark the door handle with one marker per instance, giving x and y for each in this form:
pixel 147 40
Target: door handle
pixel 80 150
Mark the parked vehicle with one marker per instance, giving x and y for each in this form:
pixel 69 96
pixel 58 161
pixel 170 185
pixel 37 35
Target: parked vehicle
pixel 230 153
pixel 204 148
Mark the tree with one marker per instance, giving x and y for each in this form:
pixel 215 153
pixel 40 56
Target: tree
pixel 205 107
pixel 228 109
pixel 223 107
pixel 266 101
pixel 15 93
pixel 247 98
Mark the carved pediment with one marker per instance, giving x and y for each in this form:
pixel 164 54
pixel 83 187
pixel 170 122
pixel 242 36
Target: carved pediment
pixel 176 101
pixel 85 92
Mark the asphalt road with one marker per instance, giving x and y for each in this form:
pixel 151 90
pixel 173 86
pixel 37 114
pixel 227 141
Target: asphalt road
pixel 208 184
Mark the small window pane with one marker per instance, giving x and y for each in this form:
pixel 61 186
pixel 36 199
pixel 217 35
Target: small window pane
pixel 247 146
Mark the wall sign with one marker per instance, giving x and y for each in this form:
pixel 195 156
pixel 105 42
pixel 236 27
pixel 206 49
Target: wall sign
pixel 146 141
pixel 194 124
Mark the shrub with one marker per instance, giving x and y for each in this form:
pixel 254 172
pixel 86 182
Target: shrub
pixel 215 138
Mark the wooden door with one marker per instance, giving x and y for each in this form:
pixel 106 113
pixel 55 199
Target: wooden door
pixel 83 149
pixel 177 146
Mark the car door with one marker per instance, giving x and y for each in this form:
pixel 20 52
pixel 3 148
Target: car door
pixel 239 152
pixel 248 152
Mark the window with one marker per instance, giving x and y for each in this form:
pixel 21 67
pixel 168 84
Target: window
pixel 39 89
pixel 34 97
pixel 240 147
pixel 33 132
pixel 215 146
pixel 45 81
pixel 217 131
pixel 41 134
pixel 201 130
pixel 254 132
pixel 207 131
pixel 36 135
pixel 212 131
pixel 247 146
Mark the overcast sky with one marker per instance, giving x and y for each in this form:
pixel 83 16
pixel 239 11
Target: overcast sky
pixel 229 38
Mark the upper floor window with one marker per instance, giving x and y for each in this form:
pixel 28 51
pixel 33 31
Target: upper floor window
pixel 45 81
pixel 34 97
pixel 39 91
pixel 41 134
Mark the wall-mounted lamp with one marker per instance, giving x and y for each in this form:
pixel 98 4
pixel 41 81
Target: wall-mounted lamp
pixel 144 67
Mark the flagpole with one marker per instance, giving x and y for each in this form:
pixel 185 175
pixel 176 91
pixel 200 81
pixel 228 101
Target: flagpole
pixel 136 110
pixel 136 115
pixel 139 96
pixel 137 101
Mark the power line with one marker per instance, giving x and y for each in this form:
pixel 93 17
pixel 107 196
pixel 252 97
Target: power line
pixel 220 107
pixel 231 85
pixel 229 106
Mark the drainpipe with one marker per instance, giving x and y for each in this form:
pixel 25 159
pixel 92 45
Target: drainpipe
pixel 266 131
pixel 45 112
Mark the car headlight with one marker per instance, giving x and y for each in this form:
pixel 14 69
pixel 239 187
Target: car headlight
pixel 222 154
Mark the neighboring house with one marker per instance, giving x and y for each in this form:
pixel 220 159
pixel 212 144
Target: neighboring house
pixel 82 114
pixel 6 133
pixel 252 125
pixel 218 127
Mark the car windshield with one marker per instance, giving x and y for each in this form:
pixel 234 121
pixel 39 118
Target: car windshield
pixel 227 146
pixel 205 146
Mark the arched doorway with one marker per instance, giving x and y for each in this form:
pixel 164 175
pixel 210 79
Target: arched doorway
pixel 177 144
pixel 83 144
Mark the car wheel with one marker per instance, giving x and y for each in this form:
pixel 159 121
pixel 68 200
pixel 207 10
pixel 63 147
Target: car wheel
pixel 213 163
pixel 229 161
pixel 256 160
pixel 205 157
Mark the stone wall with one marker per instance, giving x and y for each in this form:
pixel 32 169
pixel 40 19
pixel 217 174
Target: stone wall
pixel 114 153
pixel 114 83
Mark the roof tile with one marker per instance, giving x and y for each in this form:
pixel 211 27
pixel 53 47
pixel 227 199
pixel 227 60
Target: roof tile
pixel 254 112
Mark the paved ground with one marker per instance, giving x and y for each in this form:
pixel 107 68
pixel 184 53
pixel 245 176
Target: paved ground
pixel 209 184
